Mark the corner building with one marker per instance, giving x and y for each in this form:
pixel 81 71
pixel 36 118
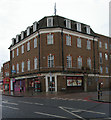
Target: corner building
pixel 55 54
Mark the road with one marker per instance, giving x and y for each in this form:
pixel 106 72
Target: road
pixel 33 107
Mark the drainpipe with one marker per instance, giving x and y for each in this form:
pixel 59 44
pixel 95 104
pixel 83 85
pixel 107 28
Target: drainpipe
pixel 39 48
pixel 62 50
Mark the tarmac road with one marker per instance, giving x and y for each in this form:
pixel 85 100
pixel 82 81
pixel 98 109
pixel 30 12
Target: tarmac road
pixel 30 107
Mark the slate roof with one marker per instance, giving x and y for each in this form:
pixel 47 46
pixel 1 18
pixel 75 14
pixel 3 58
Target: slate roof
pixel 58 22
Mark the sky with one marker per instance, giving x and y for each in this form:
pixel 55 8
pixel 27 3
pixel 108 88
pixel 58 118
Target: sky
pixel 17 15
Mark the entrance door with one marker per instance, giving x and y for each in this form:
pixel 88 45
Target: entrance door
pixel 51 84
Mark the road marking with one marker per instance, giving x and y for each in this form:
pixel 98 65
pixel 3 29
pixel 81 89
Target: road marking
pixel 9 103
pixel 89 111
pixel 10 107
pixel 50 115
pixel 72 113
pixel 31 103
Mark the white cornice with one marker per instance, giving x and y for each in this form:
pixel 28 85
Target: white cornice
pixel 53 30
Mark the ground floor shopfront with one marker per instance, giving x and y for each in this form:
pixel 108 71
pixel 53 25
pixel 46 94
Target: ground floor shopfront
pixel 56 82
pixel 6 84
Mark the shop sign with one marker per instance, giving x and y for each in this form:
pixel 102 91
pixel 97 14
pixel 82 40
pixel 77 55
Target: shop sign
pixel 13 71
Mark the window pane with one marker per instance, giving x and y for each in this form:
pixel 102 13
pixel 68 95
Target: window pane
pixel 50 39
pixel 35 42
pixel 79 42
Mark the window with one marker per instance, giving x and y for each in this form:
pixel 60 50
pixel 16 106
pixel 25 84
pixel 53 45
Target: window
pixel 68 24
pixel 106 56
pixel 79 61
pixel 69 61
pixel 106 69
pixel 78 27
pixel 35 42
pixel 88 44
pixel 101 69
pixel 22 34
pixel 50 39
pixel 51 61
pixel 13 67
pixel 22 66
pixel 88 30
pixel 78 42
pixel 68 40
pixel 17 38
pixel 13 54
pixel 17 51
pixel 28 31
pixel 28 46
pixel 35 63
pixel 106 46
pixel 17 68
pixel 89 63
pixel 100 58
pixel 13 41
pixel 22 49
pixel 28 65
pixel 50 22
pixel 34 26
pixel 100 44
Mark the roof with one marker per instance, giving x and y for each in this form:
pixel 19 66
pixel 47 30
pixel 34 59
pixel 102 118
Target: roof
pixel 58 22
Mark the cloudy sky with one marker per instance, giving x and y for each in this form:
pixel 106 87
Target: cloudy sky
pixel 17 15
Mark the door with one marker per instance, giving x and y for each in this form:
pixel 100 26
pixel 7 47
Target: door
pixel 51 84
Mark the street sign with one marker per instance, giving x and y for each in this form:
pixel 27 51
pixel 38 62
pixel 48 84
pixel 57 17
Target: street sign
pixel 13 71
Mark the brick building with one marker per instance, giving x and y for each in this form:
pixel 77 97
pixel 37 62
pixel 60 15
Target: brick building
pixel 6 76
pixel 57 54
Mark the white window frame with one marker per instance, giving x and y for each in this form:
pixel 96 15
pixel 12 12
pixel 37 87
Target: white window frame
pixel 22 49
pixel 89 62
pixel 22 66
pixel 106 46
pixel 69 61
pixel 79 42
pixel 101 69
pixel 106 56
pixel 88 30
pixel 79 62
pixel 35 63
pixel 50 39
pixel 22 35
pixel 88 44
pixel 35 42
pixel 79 27
pixel 28 46
pixel 17 38
pixel 100 44
pixel 50 61
pixel 50 22
pixel 17 68
pixel 68 40
pixel 68 24
pixel 17 51
pixel 34 26
pixel 28 31
pixel 100 58
pixel 28 65
pixel 13 54
pixel 107 70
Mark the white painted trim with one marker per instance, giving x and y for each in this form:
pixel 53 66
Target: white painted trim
pixel 54 30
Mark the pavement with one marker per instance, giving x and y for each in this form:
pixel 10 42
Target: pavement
pixel 106 95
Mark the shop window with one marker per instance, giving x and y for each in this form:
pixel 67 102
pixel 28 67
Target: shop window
pixel 31 83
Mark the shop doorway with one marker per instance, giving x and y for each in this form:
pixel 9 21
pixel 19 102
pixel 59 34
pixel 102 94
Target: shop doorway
pixel 51 83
